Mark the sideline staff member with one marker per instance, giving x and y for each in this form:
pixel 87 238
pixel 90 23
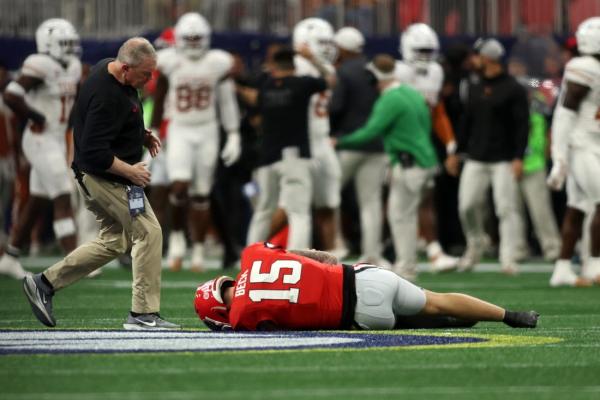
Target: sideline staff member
pixel 284 172
pixel 109 134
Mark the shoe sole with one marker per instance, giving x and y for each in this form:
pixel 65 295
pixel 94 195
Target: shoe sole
pixel 136 327
pixel 34 301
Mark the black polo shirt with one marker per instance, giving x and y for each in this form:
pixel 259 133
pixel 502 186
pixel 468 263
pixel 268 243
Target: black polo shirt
pixel 107 123
pixel 283 104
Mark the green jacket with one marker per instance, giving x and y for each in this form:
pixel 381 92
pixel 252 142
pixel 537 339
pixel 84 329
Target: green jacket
pixel 535 153
pixel 401 116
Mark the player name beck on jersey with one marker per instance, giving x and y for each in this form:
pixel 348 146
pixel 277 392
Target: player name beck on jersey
pixel 73 341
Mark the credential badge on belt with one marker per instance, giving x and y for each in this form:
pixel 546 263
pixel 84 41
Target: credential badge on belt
pixel 135 197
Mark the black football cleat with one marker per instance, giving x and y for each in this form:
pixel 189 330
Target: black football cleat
pixel 521 319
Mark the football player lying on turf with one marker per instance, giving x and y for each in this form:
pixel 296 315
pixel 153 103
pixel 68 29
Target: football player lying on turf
pixel 310 290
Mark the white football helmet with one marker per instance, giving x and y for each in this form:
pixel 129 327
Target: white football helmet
pixel 349 38
pixel 192 35
pixel 318 35
pixel 588 36
pixel 419 45
pixel 58 38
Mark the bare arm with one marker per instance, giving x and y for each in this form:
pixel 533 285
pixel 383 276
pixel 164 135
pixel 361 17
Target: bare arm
pixel 574 95
pixel 320 256
pixel 248 94
pixel 137 173
pixel 14 97
pixel 162 86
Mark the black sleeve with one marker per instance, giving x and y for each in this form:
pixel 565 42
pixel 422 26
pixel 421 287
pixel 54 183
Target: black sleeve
pixel 313 85
pixel 462 137
pixel 100 128
pixel 520 112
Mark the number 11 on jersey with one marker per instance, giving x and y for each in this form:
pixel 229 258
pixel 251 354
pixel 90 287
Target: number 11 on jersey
pixel 272 276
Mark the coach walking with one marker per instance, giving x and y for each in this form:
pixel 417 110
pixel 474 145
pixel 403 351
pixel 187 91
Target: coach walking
pixel 109 137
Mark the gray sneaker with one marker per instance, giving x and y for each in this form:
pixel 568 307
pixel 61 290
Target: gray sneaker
pixel 148 322
pixel 40 299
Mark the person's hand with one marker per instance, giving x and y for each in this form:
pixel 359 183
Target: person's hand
pixel 232 149
pixel 152 143
pixel 452 165
pixel 140 174
pixel 304 51
pixel 517 168
pixel 216 326
pixel 558 175
pixel 333 141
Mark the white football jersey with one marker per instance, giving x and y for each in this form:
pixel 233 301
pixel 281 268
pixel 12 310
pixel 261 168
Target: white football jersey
pixel 55 97
pixel 586 132
pixel 193 83
pixel 427 82
pixel 318 109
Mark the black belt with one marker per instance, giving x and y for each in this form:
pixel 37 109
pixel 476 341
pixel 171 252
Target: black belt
pixel 406 159
pixel 79 177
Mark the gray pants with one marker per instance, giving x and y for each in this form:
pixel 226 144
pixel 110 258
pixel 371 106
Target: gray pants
pixel 475 179
pixel 368 171
pixel 287 184
pixel 118 230
pixel 536 196
pixel 381 295
pixel 406 190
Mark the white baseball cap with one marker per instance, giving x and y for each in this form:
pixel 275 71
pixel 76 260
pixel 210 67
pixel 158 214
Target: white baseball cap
pixel 349 38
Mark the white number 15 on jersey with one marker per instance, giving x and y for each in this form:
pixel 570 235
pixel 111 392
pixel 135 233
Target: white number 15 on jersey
pixel 291 274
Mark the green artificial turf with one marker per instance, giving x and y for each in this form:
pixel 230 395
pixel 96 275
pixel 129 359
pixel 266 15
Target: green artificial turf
pixel 569 369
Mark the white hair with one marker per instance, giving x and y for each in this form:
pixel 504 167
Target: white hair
pixel 135 50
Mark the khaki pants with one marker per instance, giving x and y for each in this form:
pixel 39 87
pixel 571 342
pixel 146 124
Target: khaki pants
pixel 118 230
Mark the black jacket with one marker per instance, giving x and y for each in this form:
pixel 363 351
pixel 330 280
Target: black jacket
pixel 495 124
pixel 352 100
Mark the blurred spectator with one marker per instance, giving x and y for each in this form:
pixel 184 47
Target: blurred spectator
pixel 495 129
pixel 419 46
pixel 284 163
pixel 401 117
pixel 532 187
pixel 351 103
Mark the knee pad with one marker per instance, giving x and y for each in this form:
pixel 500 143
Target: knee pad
pixel 200 203
pixel 63 227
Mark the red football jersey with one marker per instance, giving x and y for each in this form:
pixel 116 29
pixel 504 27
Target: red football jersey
pixel 290 291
